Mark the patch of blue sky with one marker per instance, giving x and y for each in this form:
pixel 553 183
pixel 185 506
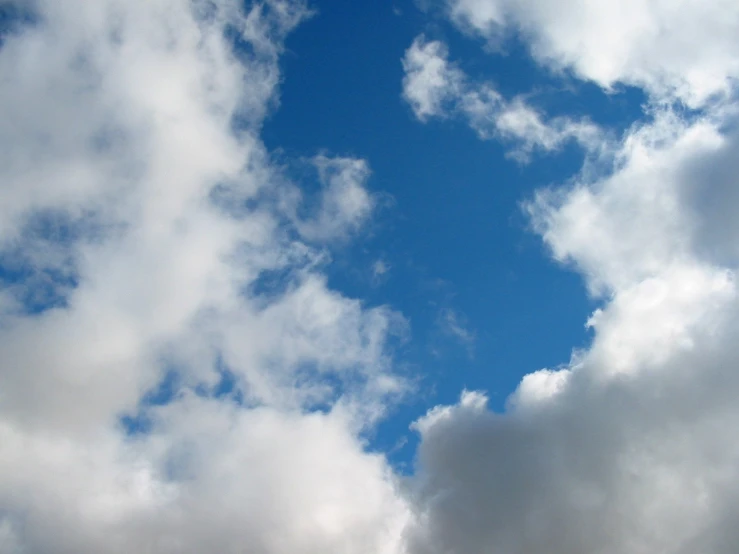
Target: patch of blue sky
pixel 36 290
pixel 228 386
pixel 37 268
pixel 173 384
pixel 272 283
pixel 453 236
pixel 13 17
pixel 140 422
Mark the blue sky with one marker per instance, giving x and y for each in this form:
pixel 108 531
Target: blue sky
pixel 450 228
pixel 413 277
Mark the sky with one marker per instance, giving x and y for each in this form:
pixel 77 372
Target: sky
pixel 398 277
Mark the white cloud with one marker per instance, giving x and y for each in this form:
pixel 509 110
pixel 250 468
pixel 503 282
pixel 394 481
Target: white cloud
pixel 435 87
pixel 519 122
pixel 454 324
pixel 430 82
pixel 345 203
pixel 210 476
pixel 138 200
pixel 684 49
pixel 641 218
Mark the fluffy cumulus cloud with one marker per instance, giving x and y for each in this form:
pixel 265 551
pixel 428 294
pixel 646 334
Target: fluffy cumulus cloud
pixel 435 87
pixel 176 374
pixel 629 448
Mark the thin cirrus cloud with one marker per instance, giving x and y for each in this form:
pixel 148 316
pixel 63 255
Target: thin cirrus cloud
pixel 141 215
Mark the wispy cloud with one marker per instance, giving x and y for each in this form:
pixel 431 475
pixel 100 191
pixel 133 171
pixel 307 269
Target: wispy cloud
pixel 436 88
pixel 380 271
pixel 455 325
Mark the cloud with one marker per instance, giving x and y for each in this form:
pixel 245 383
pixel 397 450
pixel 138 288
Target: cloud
pixel 380 268
pixel 435 87
pixel 454 325
pixel 685 50
pixel 430 82
pixel 177 376
pixel 345 203
pixel 628 447
pixel 379 272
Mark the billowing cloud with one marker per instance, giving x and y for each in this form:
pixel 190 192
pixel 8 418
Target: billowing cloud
pixel 435 87
pixel 176 374
pixel 629 447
